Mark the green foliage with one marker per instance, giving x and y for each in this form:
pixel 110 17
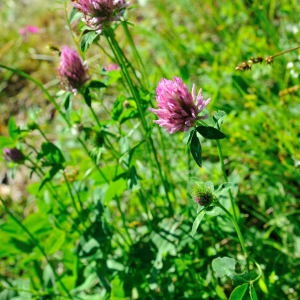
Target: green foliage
pixel 239 292
pixel 102 206
pixel 195 148
pixel 210 132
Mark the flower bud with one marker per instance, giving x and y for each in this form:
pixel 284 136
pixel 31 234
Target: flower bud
pixel 72 70
pixel 13 154
pixel 203 194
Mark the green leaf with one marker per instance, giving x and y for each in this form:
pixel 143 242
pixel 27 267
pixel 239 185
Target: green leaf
pixel 263 285
pixel 54 241
pixel 5 142
pixel 195 148
pixel 124 109
pixel 219 116
pixel 50 174
pixel 74 15
pixel 51 154
pixel 197 221
pixel 8 249
pixel 210 132
pixel 13 129
pixel 96 84
pixel 87 97
pixel 224 266
pixel 239 292
pixel 67 100
pixel 117 292
pixel 115 189
pixel 90 247
pixel 24 246
pixel 38 223
pixel 87 39
pixel 252 293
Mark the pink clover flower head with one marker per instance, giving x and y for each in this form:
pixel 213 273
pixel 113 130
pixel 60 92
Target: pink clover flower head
pixel 178 109
pixel 29 29
pixel 100 13
pixel 13 154
pixel 72 70
pixel 111 67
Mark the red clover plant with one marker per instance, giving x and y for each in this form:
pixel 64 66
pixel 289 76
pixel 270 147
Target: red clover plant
pixel 106 144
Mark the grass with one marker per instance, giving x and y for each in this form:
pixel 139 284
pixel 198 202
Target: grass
pixel 104 208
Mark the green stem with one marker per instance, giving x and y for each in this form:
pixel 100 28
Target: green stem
pixel 221 157
pixel 233 217
pixel 37 245
pixel 122 61
pixel 106 140
pixel 237 229
pixel 123 220
pixel 95 116
pixel 73 199
pixel 135 51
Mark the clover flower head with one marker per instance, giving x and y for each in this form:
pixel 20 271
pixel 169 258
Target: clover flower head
pixel 72 70
pixel 13 154
pixel 111 67
pixel 203 193
pixel 28 29
pixel 100 13
pixel 178 109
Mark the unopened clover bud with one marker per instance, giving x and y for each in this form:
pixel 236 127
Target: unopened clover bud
pixel 203 194
pixel 72 70
pixel 13 154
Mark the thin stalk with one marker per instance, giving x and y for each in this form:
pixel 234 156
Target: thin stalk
pixel 123 57
pixel 237 229
pixel 233 217
pixel 104 50
pixel 73 199
pixel 221 157
pixel 37 245
pixel 120 57
pixel 285 51
pixel 123 220
pixel 135 51
pixel 145 205
pixel 95 116
pixel 110 145
pixel 40 173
